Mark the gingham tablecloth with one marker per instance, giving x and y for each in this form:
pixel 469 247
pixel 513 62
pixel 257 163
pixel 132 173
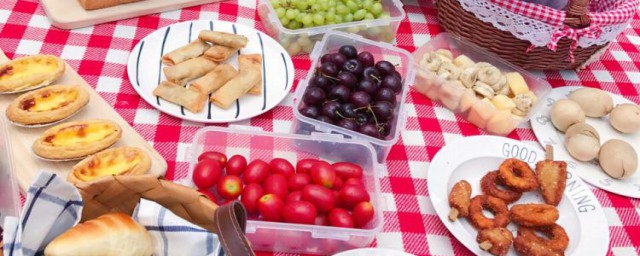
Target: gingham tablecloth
pixel 100 53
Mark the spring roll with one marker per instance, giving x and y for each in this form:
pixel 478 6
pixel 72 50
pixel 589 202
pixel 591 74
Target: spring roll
pixel 248 76
pixel 215 79
pixel 219 53
pixel 190 99
pixel 181 73
pixel 257 88
pixel 224 39
pixel 189 51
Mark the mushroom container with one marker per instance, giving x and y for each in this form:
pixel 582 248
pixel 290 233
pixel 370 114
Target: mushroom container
pixel 453 97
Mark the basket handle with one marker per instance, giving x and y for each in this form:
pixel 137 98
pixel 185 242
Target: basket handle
pixel 577 14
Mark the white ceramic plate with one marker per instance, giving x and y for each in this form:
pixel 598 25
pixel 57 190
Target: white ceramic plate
pixel 471 158
pixel 145 70
pixel 373 251
pixel 588 171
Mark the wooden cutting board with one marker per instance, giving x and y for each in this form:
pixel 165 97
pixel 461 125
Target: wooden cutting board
pixel 68 14
pixel 27 166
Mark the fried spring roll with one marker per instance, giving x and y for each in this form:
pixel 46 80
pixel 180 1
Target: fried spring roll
pixel 215 79
pixel 181 73
pixel 224 39
pixel 190 99
pixel 219 53
pixel 248 76
pixel 189 51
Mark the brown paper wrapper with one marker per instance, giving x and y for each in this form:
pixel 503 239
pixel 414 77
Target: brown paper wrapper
pixel 122 194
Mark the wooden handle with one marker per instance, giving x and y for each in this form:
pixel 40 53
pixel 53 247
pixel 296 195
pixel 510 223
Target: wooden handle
pixel 577 14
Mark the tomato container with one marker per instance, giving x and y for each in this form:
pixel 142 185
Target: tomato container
pixel 301 41
pixel 253 143
pixel 451 95
pixel 9 191
pixel 403 61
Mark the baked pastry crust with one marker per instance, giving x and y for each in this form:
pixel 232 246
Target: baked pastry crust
pixel 30 71
pixel 113 161
pixel 47 105
pixel 77 139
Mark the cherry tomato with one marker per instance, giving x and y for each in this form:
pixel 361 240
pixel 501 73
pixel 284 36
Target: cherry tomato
pixel 299 212
pixel 276 184
pixel 339 217
pixel 220 158
pixel 362 214
pixel 208 194
pixel 304 165
pixel 347 170
pixel 236 165
pixel 298 181
pixel 250 197
pixel 230 187
pixel 294 196
pixel 350 195
pixel 270 207
pixel 321 220
pixel 337 183
pixel 281 166
pixel 353 181
pixel 322 174
pixel 256 172
pixel 206 173
pixel 323 198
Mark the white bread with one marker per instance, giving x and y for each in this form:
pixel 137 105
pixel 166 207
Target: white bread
pixel 114 234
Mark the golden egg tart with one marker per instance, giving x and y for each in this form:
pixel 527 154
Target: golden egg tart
pixel 47 105
pixel 113 161
pixel 30 71
pixel 77 139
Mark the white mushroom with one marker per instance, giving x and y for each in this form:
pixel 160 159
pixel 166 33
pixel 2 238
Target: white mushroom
pixel 618 159
pixel 565 113
pixel 489 75
pixel 445 54
pixel 582 141
pixel 524 101
pixel 449 71
pixel 625 118
pixel 484 90
pixel 594 102
pixel 469 76
pixel 463 61
pixel 431 61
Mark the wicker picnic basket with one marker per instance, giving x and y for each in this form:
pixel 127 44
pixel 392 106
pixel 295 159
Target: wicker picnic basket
pixel 535 36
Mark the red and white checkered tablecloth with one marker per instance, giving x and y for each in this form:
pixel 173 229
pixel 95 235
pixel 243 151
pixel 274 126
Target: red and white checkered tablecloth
pixel 100 54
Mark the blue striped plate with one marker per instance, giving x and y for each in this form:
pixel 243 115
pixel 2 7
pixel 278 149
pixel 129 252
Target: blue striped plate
pixel 145 70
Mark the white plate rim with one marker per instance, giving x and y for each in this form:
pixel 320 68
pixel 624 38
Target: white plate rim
pixel 590 172
pixel 594 228
pixel 266 40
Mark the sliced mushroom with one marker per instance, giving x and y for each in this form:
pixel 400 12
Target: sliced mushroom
pixel 431 61
pixel 469 76
pixel 445 54
pixel 484 90
pixel 449 71
pixel 489 75
pixel 524 101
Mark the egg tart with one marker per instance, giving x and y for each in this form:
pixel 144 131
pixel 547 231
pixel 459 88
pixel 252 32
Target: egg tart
pixel 77 139
pixel 113 161
pixel 23 73
pixel 47 105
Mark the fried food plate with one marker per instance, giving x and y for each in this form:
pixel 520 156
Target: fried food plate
pixel 471 158
pixel 588 171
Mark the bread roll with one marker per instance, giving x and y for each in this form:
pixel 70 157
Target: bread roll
pixel 112 234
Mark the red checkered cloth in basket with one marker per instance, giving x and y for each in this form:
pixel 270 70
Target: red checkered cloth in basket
pixel 99 53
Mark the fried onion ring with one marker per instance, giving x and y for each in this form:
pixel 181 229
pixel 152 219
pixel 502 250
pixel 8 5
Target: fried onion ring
pixel 517 175
pixel 494 205
pixel 528 243
pixel 495 240
pixel 489 186
pixel 459 200
pixel 534 215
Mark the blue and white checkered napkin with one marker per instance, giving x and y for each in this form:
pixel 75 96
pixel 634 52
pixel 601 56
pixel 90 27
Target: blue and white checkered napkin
pixel 54 205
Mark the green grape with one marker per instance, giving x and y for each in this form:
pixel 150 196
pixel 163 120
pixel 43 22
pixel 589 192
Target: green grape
pixel 324 6
pixel 302 5
pixel 369 16
pixel 318 19
pixel 330 17
pixel 307 20
pixel 352 5
pixel 331 3
pixel 294 48
pixel 366 4
pixel 308 48
pixel 284 21
pixel 376 9
pixel 291 14
pixel 385 15
pixel 275 3
pixel 353 30
pixel 311 2
pixel 338 19
pixel 299 17
pixel 342 10
pixel 348 18
pixel 280 12
pixel 304 41
pixel 294 25
pixel 316 7
pixel 359 14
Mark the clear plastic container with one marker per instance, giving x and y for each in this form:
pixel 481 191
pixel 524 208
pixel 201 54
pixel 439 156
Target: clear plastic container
pixel 301 41
pixel 381 51
pixel 456 98
pixel 9 191
pixel 253 143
